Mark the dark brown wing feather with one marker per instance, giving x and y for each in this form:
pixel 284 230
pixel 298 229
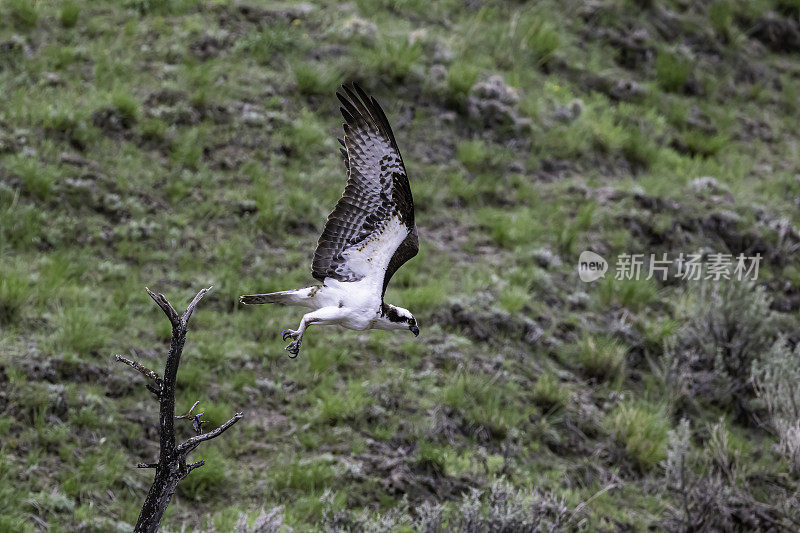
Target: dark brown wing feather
pixel 377 190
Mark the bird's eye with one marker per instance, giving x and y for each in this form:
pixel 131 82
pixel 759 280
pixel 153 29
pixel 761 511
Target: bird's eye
pixel 412 322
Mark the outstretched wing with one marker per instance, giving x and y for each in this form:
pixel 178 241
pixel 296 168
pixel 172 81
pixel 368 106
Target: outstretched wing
pixel 371 231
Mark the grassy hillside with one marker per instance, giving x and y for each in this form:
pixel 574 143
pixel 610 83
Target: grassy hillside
pixel 180 144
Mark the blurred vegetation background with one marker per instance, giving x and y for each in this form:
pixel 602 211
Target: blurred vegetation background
pixel 185 143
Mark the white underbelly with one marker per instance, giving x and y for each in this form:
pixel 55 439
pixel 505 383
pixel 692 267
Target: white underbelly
pixel 359 323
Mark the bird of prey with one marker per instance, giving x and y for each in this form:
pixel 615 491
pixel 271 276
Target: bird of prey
pixel 367 237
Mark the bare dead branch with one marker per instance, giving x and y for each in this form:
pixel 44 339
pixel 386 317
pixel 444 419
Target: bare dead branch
pixel 195 465
pixel 190 309
pixel 193 442
pixel 165 306
pixel 172 466
pixel 188 413
pixel 197 424
pixel 139 367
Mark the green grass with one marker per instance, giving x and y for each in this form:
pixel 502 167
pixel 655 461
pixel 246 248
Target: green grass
pixel 24 14
pixel 38 178
pixel 720 15
pixel 548 392
pixel 485 406
pixel 70 12
pixel 77 332
pixel 306 132
pixel 126 106
pixel 702 144
pixel 392 57
pixel 185 152
pixel 601 357
pixel 672 71
pixel 15 291
pixel 626 293
pixel 303 476
pixel 460 78
pixel 340 405
pixel 269 43
pixel 209 478
pixel 320 79
pixel 642 431
pixel 542 39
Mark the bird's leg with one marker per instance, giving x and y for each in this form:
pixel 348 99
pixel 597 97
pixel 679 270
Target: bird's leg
pixel 325 315
pixel 297 335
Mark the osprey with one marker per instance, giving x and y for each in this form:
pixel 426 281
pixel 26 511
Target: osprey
pixel 367 237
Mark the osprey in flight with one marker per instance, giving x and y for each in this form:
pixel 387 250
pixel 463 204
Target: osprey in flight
pixel 367 237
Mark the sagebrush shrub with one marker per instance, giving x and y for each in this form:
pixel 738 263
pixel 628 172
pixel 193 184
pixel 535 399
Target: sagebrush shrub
pixel 728 325
pixel 265 522
pixel 502 508
pixel 712 489
pixel 776 376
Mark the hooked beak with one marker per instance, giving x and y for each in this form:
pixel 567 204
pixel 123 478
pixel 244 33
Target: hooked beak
pixel 414 330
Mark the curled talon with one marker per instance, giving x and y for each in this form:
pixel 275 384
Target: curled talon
pixel 293 348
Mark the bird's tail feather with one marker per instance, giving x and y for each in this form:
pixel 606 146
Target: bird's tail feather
pixel 256 299
pixel 295 297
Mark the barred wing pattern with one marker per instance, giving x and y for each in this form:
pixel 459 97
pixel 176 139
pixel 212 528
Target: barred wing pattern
pixel 371 231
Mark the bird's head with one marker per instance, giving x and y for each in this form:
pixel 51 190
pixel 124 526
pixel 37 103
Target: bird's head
pixel 400 318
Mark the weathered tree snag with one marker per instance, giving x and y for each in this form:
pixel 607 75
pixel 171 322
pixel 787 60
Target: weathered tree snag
pixel 172 466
